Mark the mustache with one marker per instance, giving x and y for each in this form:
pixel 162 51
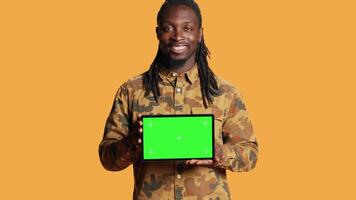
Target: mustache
pixel 178 44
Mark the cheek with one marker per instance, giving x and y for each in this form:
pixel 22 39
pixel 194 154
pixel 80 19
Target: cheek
pixel 164 38
pixel 194 39
pixel 194 43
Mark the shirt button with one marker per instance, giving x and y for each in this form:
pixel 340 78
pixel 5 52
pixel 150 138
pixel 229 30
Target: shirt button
pixel 179 176
pixel 179 90
pixel 174 74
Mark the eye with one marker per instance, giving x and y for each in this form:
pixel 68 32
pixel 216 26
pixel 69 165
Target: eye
pixel 167 28
pixel 188 28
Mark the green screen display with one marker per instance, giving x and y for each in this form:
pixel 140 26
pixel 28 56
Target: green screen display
pixel 178 137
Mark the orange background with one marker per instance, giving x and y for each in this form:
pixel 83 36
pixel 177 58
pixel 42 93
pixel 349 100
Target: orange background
pixel 62 62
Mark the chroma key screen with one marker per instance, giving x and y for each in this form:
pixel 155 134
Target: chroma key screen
pixel 168 137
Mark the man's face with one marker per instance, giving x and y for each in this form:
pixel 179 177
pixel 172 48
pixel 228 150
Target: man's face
pixel 178 33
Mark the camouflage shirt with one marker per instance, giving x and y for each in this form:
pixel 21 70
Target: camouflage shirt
pixel 235 143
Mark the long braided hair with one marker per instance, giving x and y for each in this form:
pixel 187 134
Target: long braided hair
pixel 208 84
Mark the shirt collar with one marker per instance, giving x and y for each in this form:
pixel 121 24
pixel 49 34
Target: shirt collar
pixel 191 75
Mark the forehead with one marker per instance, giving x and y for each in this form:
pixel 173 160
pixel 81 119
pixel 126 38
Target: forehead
pixel 179 14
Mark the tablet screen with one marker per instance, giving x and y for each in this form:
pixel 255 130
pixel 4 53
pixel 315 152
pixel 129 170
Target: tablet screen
pixel 170 137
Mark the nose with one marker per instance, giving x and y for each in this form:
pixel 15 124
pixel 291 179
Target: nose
pixel 178 35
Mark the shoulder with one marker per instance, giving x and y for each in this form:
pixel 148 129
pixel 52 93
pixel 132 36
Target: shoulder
pixel 230 97
pixel 226 88
pixel 134 83
pixel 131 86
pixel 229 93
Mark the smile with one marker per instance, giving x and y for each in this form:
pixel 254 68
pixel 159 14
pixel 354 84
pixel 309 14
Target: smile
pixel 178 49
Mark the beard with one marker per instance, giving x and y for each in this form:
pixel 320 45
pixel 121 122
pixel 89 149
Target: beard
pixel 171 63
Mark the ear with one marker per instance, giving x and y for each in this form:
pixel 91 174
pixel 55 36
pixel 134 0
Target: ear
pixel 157 32
pixel 200 34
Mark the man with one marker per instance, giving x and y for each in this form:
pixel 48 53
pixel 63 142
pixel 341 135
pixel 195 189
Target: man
pixel 179 81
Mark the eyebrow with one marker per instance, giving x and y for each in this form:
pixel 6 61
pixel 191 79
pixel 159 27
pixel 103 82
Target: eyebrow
pixel 170 22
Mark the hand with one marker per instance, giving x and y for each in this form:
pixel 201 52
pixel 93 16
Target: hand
pixel 218 154
pixel 137 132
pixel 139 140
pixel 199 162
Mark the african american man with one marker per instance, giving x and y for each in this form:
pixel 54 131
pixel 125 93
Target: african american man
pixel 179 81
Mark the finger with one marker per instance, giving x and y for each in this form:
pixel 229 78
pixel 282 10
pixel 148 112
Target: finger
pixel 204 162
pixel 140 123
pixel 140 130
pixel 139 140
pixel 193 162
pixel 190 162
pixel 200 162
pixel 209 162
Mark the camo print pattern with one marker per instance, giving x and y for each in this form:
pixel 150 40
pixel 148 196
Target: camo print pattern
pixel 235 142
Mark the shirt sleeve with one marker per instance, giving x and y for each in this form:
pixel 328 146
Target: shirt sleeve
pixel 239 149
pixel 118 148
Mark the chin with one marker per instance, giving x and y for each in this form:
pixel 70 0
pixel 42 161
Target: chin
pixel 174 62
pixel 178 58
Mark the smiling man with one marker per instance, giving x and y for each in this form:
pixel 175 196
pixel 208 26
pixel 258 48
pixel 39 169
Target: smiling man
pixel 179 81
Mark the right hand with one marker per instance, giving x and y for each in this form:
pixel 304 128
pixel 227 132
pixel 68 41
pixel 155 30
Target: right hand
pixel 139 140
pixel 137 132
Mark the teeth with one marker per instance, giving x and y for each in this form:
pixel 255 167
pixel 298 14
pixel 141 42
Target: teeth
pixel 179 48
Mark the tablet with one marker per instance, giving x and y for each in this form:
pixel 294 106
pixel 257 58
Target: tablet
pixel 177 137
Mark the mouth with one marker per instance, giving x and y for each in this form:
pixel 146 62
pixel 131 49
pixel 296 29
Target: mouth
pixel 178 49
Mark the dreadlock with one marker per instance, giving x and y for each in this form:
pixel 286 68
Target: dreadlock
pixel 208 84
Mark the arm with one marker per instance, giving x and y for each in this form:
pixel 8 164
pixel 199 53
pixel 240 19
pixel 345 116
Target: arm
pixel 239 149
pixel 118 148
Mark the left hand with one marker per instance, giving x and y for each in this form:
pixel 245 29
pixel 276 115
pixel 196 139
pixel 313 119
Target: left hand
pixel 218 155
pixel 199 162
